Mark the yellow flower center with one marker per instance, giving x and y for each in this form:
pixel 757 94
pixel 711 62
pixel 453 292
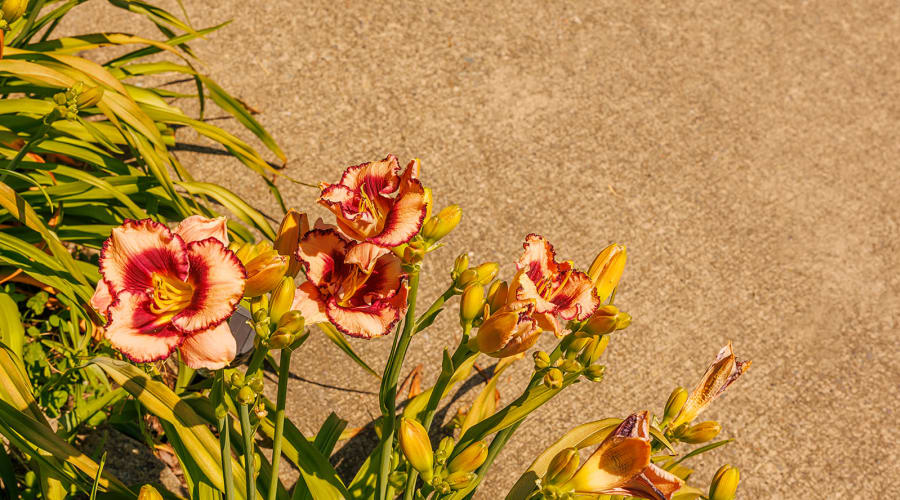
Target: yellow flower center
pixel 351 284
pixel 170 296
pixel 546 289
pixel 366 204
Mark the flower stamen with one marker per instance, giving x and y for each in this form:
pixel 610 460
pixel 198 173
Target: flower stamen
pixel 170 295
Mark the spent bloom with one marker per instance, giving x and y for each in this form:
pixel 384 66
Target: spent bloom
pixel 378 202
pixel 358 287
pixel 163 290
pixel 724 370
pixel 512 328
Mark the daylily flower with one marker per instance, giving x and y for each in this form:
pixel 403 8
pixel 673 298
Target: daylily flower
pixel 163 290
pixel 621 465
pixel 358 287
pixel 511 329
pixel 724 370
pixel 556 287
pixel 378 202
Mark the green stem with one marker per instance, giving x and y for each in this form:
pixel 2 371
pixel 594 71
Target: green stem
pixel 39 136
pixel 437 304
pixel 225 444
pixel 283 373
pixel 388 393
pixel 247 433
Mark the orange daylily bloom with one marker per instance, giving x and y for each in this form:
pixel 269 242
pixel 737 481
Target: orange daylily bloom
pixel 163 290
pixel 724 370
pixel 378 202
pixel 358 287
pixel 511 326
pixel 556 287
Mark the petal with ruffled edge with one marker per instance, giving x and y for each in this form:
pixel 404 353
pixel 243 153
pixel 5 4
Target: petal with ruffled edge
pixel 527 290
pixel 524 337
pixel 367 321
pixel 310 303
pixel 212 349
pixel 132 329
pixel 102 299
pixel 322 251
pixel 575 298
pixel 406 215
pixel 198 228
pixel 364 255
pixel 377 177
pixel 344 203
pixel 654 483
pixel 538 259
pixel 386 278
pixel 137 249
pixel 218 280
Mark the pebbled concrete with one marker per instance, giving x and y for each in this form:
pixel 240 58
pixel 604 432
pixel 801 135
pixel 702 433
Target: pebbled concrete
pixel 745 152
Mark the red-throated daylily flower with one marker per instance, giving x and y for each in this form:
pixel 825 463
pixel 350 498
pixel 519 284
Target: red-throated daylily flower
pixel 163 290
pixel 621 465
pixel 724 370
pixel 358 287
pixel 556 287
pixel 378 202
pixel 514 326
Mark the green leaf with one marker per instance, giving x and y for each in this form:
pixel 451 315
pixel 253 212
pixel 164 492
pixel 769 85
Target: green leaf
pixel 12 333
pixel 702 449
pixel 326 438
pixel 8 475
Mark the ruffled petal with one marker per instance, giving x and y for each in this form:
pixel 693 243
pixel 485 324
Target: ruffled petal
pixel 218 280
pixel 102 299
pixel 386 278
pixel 197 228
pixel 133 330
pixel 310 303
pixel 321 251
pixel 405 218
pixel 364 255
pixel 344 203
pixel 527 290
pixel 654 483
pixel 376 178
pixel 137 249
pixel 212 349
pixel 367 321
pixel 575 297
pixel 538 260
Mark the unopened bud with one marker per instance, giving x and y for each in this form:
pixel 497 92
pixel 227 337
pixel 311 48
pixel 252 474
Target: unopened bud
pixel 264 273
pixel 603 321
pixel 147 492
pixel 460 265
pixel 562 467
pixel 674 404
pixel 445 448
pixel 89 97
pixel 429 202
pixel 246 396
pixel 459 480
pixel 487 271
pixel 259 308
pixel 281 338
pixel 571 366
pixel 541 360
pixel 574 347
pixel 553 379
pixel 293 227
pixel 594 373
pixel 256 383
pixel 466 277
pixel 471 304
pixel 724 484
pixel 594 350
pixel 13 10
pixel 282 299
pixel 292 321
pixel 469 459
pixel 606 270
pixel 416 447
pixel 441 224
pixel 699 433
pixel 245 252
pixel 237 379
pixel 497 295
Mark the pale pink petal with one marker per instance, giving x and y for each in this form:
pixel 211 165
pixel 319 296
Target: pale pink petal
pixel 310 303
pixel 137 249
pixel 218 280
pixel 538 259
pixel 405 218
pixel 135 332
pixel 212 349
pixel 321 251
pixel 575 299
pixel 387 275
pixel 197 228
pixel 364 255
pixel 528 291
pixel 368 321
pixel 102 299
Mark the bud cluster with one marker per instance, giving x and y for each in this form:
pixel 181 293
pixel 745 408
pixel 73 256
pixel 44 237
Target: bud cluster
pixel 580 355
pixel 274 321
pixel 247 390
pixel 74 98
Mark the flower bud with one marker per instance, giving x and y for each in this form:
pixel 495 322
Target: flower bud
pixel 562 467
pixel 245 396
pixel 460 265
pixel 469 459
pixel 486 272
pixel 606 270
pixel 594 373
pixel 237 379
pixel 281 338
pixel 12 11
pixel 459 480
pixel 497 295
pixel 429 203
pixel 594 350
pixel 292 321
pixel 724 484
pixel 293 226
pixel 264 272
pixel 541 360
pixel 675 402
pixel 466 277
pixel 89 97
pixel 256 383
pixel 245 252
pixel 571 366
pixel 603 321
pixel 574 347
pixel 471 304
pixel 699 433
pixel 416 447
pixel 282 299
pixel 553 379
pixel 445 448
pixel 147 492
pixel 441 224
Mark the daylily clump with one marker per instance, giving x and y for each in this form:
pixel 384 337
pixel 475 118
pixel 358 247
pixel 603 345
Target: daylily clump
pixel 163 290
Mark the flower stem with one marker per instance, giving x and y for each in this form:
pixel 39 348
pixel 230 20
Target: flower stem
pixel 284 369
pixel 497 444
pixel 247 433
pixel 437 304
pixel 225 444
pixel 39 136
pixel 388 393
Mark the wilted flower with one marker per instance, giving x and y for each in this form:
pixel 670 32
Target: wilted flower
pixel 378 202
pixel 359 287
pixel 164 290
pixel 556 287
pixel 724 370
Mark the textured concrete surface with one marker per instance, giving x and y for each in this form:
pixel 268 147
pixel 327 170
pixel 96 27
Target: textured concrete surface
pixel 746 152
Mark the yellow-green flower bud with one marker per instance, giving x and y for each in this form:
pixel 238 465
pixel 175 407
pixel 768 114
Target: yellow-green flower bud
pixel 562 467
pixel 148 493
pixel 245 396
pixel 541 360
pixel 606 270
pixel 264 273
pixel 89 97
pixel 724 484
pixel 469 459
pixel 416 447
pixel 594 373
pixel 574 347
pixel 292 322
pixel 256 383
pixel 13 10
pixel 471 304
pixel 281 338
pixel 293 227
pixel 553 379
pixel 429 203
pixel 259 308
pixel 594 350
pixel 700 433
pixel 459 480
pixel 674 404
pixel 441 224
pixel 282 299
pixel 460 265
pixel 445 448
pixel 237 379
pixel 603 321
pixel 571 366
pixel 487 271
pixel 497 295
pixel 466 277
